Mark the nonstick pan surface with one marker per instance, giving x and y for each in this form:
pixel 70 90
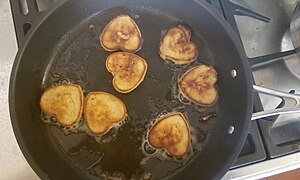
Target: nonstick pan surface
pixel 64 48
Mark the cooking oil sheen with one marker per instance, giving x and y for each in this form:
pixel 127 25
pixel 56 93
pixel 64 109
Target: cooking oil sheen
pixel 124 152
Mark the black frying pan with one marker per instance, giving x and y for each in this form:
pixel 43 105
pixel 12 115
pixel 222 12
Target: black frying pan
pixel 64 47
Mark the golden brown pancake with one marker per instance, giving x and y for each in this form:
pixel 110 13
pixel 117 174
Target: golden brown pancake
pixel 176 46
pixel 103 111
pixel 65 102
pixel 197 85
pixel 128 70
pixel 121 33
pixel 171 132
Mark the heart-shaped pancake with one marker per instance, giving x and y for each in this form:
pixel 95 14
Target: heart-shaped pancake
pixel 103 111
pixel 176 45
pixel 128 70
pixel 65 102
pixel 171 132
pixel 121 33
pixel 197 85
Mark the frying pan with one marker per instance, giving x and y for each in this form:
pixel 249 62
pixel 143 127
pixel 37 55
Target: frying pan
pixel 64 47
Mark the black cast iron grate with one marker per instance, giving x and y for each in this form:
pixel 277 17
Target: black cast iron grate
pixel 273 149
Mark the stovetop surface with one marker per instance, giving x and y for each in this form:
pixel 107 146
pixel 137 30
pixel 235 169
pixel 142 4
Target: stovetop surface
pixel 281 134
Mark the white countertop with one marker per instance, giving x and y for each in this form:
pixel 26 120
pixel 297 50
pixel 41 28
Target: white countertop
pixel 13 165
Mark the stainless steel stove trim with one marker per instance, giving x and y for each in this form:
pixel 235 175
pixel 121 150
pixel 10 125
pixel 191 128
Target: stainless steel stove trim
pixel 292 99
pixel 265 168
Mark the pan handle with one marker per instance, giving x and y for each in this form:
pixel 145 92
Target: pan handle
pixel 293 99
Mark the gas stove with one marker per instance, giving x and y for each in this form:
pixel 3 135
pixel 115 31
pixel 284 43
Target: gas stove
pixel 264 29
pixel 273 143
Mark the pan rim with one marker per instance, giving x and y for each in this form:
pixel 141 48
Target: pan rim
pixel 248 81
pixel 237 43
pixel 11 98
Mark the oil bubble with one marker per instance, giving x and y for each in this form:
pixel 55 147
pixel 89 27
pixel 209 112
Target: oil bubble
pixel 146 175
pixel 64 81
pixel 183 100
pixel 161 114
pixel 148 149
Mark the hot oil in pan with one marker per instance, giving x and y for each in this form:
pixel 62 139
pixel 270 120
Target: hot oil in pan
pixel 123 152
